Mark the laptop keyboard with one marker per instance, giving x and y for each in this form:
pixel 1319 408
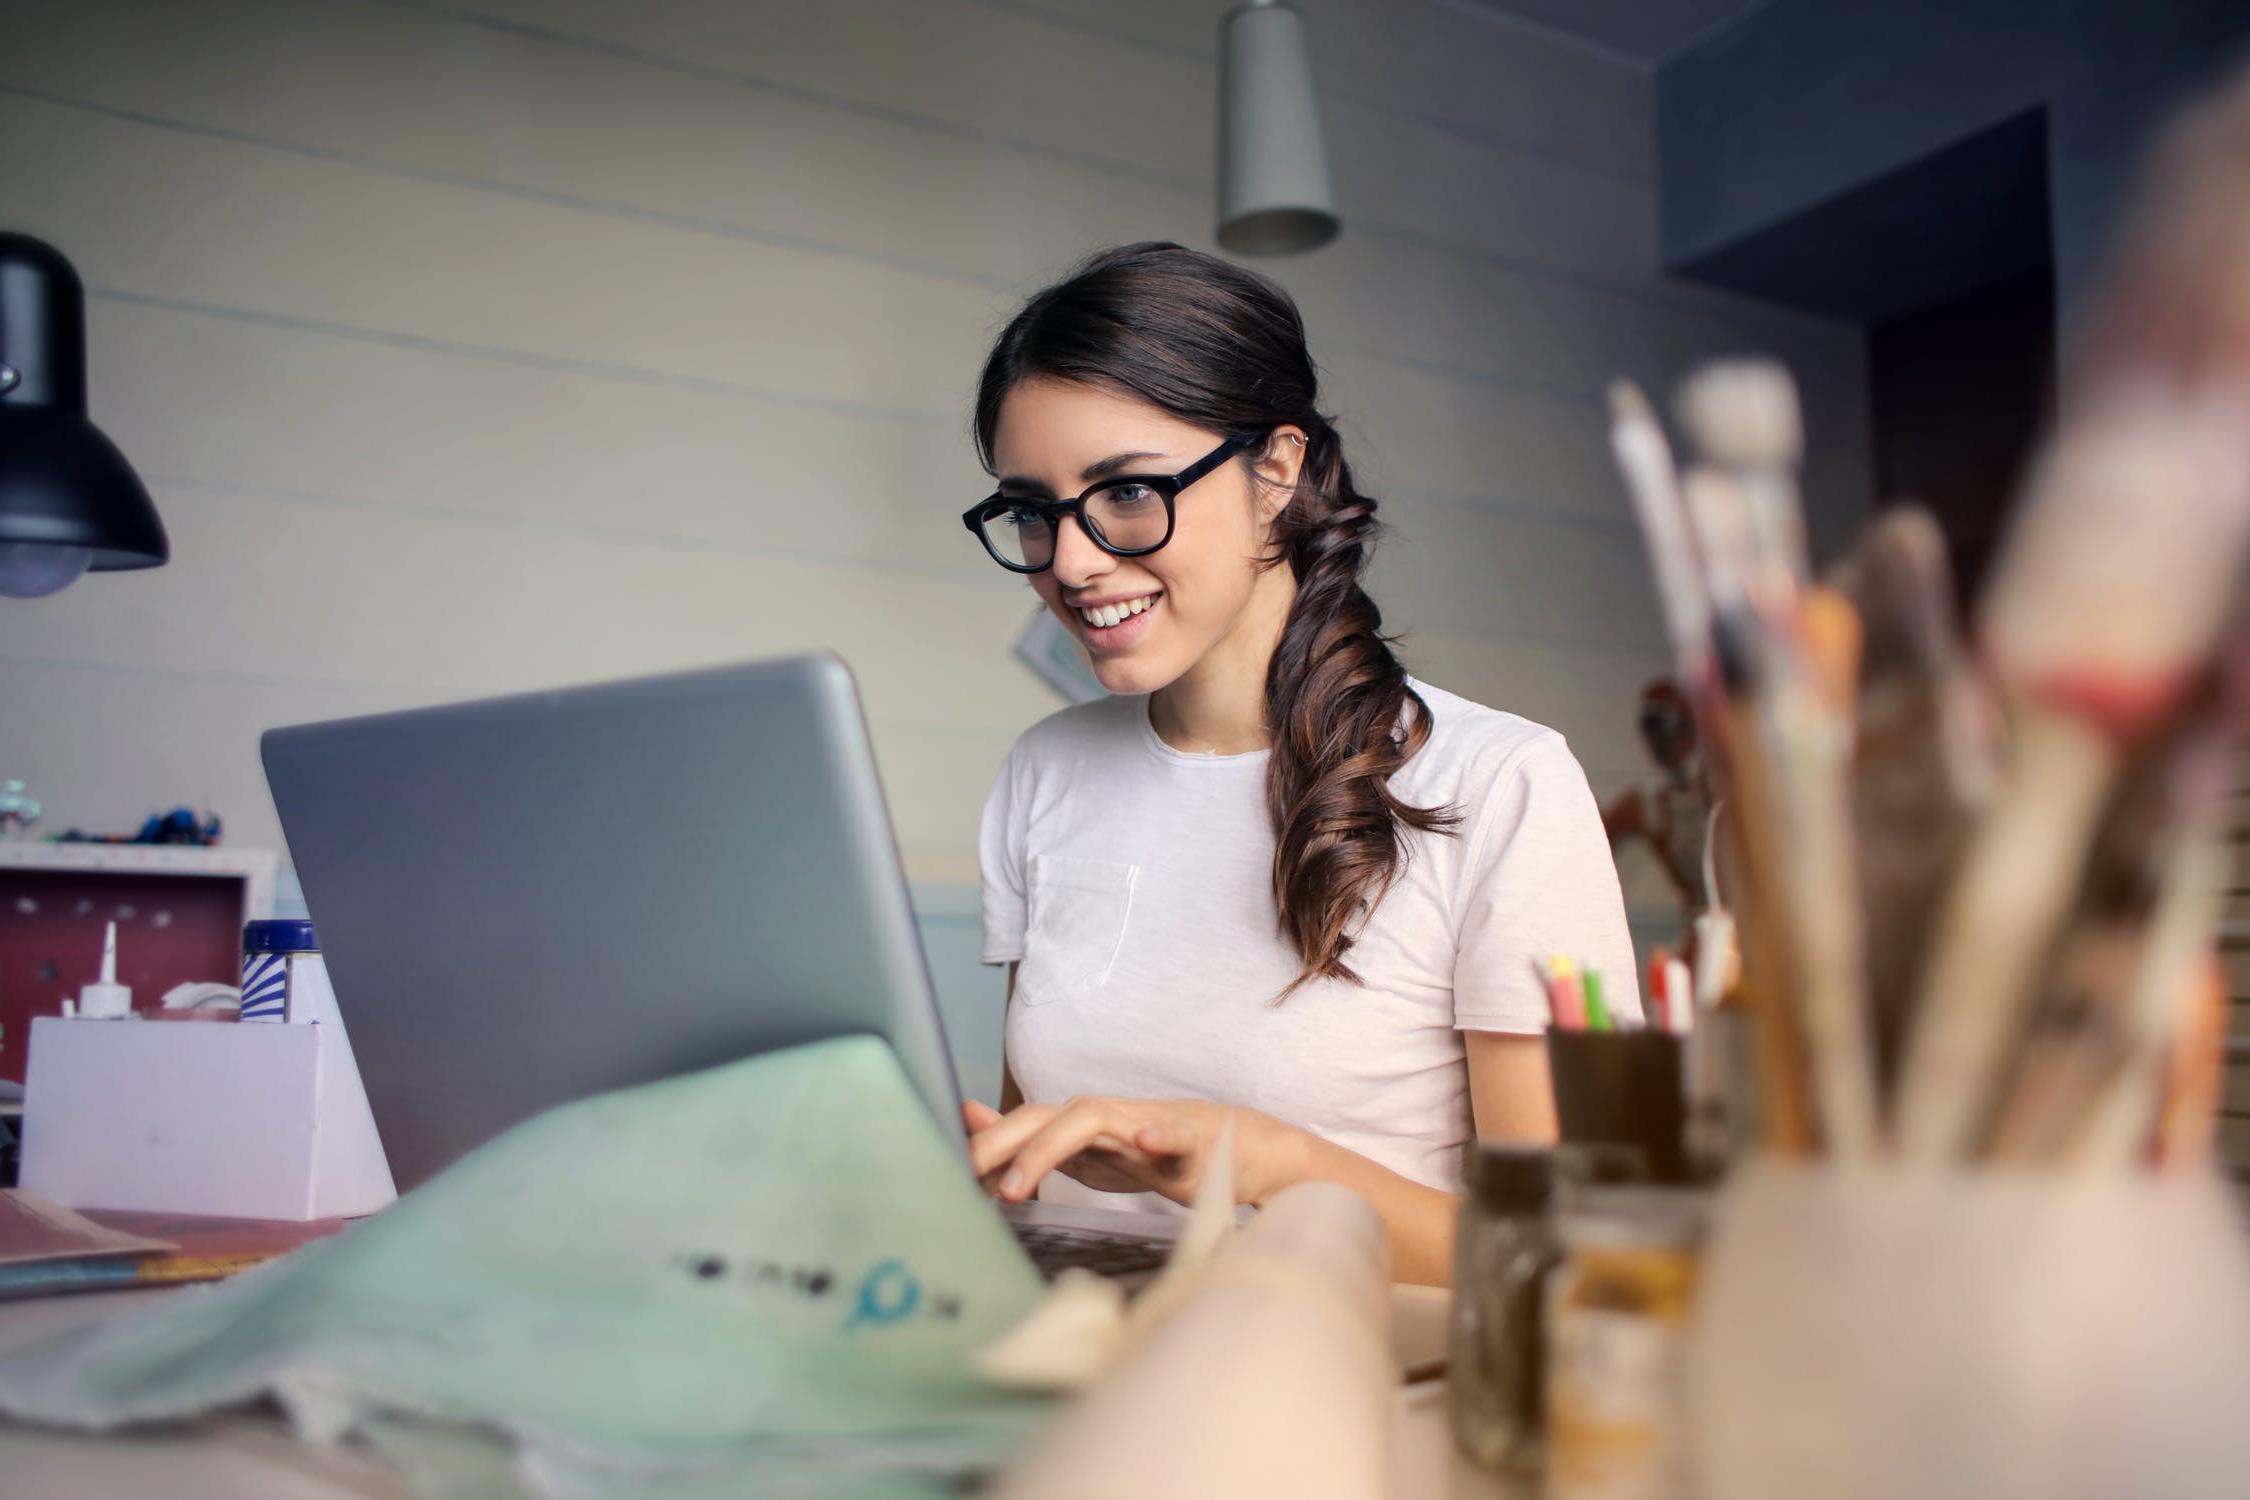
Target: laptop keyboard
pixel 1055 1250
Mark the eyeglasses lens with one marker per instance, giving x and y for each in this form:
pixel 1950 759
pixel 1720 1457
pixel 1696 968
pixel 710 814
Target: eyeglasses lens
pixel 1020 536
pixel 1130 517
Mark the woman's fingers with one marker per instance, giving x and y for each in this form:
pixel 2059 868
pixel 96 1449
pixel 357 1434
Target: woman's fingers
pixel 1164 1140
pixel 997 1143
pixel 978 1115
pixel 1111 1144
pixel 1077 1128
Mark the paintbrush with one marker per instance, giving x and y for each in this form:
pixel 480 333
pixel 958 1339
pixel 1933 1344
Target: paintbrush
pixel 1645 459
pixel 1793 654
pixel 2098 619
pixel 2091 1069
pixel 1652 482
pixel 1926 759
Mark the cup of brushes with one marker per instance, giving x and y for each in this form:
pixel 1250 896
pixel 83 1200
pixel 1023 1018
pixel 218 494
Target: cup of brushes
pixel 1982 1249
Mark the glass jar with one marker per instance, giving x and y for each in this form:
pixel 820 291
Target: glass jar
pixel 1504 1244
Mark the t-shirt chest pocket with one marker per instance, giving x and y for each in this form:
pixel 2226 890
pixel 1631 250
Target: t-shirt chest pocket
pixel 1078 911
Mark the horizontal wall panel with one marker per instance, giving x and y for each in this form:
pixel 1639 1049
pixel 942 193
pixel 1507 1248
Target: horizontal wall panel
pixel 587 127
pixel 222 403
pixel 297 238
pixel 991 73
pixel 142 740
pixel 471 609
pixel 1421 431
pixel 1397 182
pixel 1455 569
pixel 1589 698
pixel 746 146
pixel 545 278
pixel 205 753
pixel 230 403
pixel 1428 60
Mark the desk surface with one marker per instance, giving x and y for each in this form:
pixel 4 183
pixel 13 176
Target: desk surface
pixel 252 1456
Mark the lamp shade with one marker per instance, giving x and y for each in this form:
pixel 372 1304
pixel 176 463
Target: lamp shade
pixel 68 498
pixel 1274 197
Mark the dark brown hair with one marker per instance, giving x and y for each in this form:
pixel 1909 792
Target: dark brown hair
pixel 1220 346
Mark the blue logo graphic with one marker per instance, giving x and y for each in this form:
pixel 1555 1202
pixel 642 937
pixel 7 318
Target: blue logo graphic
pixel 887 1294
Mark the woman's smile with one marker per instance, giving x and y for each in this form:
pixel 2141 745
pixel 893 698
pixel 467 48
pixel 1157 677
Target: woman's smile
pixel 1112 624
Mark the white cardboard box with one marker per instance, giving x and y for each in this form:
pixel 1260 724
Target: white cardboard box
pixel 200 1117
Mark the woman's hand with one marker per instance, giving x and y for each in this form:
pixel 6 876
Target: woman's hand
pixel 1128 1146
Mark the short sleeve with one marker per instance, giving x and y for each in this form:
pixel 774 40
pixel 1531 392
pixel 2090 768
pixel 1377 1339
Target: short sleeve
pixel 1000 864
pixel 1539 881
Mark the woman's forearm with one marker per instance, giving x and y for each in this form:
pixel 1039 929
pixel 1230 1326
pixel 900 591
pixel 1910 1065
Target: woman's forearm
pixel 1420 1219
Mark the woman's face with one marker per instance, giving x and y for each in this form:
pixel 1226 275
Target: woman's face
pixel 1054 438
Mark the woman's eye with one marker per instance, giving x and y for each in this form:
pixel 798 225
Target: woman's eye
pixel 1132 494
pixel 1025 516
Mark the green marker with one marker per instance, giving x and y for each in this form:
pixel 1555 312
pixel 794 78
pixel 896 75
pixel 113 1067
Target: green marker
pixel 1597 1013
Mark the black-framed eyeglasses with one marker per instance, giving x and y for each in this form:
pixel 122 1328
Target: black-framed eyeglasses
pixel 1128 516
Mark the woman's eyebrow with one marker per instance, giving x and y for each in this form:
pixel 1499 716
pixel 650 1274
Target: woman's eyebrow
pixel 1112 465
pixel 1093 471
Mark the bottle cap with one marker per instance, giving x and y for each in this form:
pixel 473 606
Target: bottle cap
pixel 283 935
pixel 1510 1179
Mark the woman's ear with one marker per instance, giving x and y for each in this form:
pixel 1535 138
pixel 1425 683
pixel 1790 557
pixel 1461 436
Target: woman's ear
pixel 1277 469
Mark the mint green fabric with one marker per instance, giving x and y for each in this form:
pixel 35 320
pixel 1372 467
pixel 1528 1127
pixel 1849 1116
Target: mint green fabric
pixel 779 1257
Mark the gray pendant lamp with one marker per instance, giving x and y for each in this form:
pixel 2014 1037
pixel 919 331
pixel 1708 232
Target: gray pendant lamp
pixel 1274 197
pixel 68 499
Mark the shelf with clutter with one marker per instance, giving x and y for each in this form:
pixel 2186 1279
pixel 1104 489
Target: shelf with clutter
pixel 179 910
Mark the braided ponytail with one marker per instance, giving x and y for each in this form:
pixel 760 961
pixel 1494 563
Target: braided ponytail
pixel 1343 718
pixel 1220 346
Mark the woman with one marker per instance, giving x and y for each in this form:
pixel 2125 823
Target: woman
pixel 1273 879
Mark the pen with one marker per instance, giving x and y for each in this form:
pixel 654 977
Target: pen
pixel 1597 1010
pixel 1570 999
pixel 1679 993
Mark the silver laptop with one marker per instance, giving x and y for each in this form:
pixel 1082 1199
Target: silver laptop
pixel 532 899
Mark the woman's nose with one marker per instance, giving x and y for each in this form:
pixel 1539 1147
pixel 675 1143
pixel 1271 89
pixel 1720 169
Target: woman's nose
pixel 1078 561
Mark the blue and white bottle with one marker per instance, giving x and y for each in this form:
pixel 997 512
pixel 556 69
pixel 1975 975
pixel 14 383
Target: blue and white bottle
pixel 273 957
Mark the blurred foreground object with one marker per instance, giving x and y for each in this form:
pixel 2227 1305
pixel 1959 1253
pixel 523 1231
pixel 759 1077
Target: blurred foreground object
pixel 1971 1336
pixel 2060 980
pixel 1970 949
pixel 1961 944
pixel 621 1297
pixel 1927 759
pixel 1271 1375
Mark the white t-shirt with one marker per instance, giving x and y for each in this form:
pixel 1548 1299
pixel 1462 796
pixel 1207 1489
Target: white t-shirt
pixel 1132 883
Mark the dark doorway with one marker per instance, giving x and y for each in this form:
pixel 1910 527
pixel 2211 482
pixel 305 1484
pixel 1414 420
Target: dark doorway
pixel 1948 263
pixel 1961 391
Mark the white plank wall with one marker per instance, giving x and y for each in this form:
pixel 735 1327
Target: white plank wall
pixel 475 345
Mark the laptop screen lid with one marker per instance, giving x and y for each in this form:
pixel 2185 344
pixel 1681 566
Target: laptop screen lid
pixel 527 900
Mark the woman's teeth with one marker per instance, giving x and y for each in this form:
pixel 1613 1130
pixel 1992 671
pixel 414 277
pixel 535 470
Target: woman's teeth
pixel 1107 615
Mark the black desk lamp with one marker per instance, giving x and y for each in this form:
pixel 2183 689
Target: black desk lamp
pixel 68 499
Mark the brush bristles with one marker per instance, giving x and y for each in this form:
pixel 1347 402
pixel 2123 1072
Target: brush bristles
pixel 1743 413
pixel 1627 404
